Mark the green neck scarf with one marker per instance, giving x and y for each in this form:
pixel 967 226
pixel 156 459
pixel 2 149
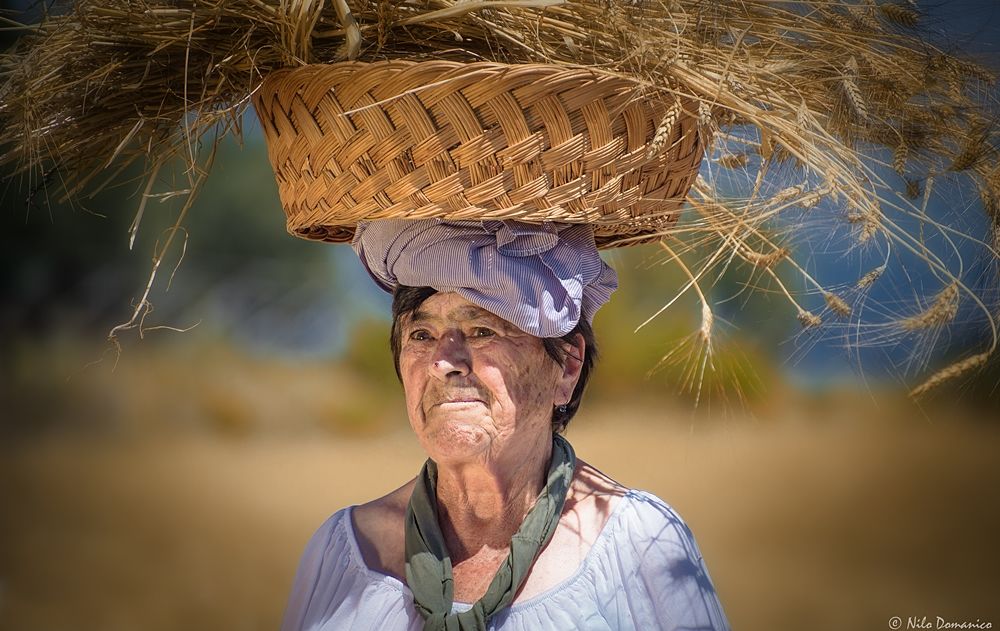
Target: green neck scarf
pixel 428 565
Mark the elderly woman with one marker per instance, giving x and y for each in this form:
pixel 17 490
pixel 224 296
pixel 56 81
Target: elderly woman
pixel 503 528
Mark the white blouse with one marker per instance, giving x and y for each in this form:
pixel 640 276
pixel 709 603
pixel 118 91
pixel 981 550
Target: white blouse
pixel 644 571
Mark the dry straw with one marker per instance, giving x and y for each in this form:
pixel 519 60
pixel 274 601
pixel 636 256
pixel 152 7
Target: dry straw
pixel 816 95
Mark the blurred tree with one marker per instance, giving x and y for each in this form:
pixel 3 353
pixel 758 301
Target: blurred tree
pixel 69 266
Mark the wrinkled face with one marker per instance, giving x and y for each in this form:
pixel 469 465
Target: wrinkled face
pixel 475 383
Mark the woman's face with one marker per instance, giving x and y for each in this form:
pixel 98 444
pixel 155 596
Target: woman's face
pixel 475 383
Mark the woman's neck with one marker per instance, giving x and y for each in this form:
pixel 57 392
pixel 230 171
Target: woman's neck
pixel 482 504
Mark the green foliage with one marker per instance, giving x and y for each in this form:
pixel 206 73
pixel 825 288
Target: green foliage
pixel 368 353
pixel 666 358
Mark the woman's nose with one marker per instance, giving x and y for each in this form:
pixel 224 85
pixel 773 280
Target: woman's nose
pixel 451 357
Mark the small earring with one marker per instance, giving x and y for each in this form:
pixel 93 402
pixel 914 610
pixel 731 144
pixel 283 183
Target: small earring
pixel 562 409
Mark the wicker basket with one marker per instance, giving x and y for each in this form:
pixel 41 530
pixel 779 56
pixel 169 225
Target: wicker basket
pixel 356 141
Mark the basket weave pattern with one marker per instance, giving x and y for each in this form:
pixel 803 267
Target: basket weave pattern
pixel 356 141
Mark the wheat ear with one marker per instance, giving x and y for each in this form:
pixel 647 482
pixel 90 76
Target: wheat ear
pixel 664 131
pixel 950 372
pixel 942 311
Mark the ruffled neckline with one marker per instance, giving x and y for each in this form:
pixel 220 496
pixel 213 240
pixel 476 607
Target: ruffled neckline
pixel 601 543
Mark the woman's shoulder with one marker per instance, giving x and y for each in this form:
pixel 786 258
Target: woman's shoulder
pixel 602 507
pixel 378 527
pixel 335 589
pixel 329 545
pixel 605 501
pixel 326 559
pixel 627 523
pixel 654 527
pixel 591 481
pixel 656 553
pixel 592 500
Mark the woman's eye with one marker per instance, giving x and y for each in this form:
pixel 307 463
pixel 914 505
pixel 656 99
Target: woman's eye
pixel 420 335
pixel 482 332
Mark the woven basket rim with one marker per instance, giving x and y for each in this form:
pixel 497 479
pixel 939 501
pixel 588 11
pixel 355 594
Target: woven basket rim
pixel 317 144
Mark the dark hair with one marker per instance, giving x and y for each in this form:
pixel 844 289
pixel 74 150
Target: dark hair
pixel 407 299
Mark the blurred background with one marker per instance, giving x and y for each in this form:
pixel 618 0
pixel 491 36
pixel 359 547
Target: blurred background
pixel 171 481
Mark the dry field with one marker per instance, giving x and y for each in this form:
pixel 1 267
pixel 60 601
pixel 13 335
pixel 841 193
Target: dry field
pixel 178 491
pixel 836 523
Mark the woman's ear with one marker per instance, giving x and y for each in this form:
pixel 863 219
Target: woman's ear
pixel 571 367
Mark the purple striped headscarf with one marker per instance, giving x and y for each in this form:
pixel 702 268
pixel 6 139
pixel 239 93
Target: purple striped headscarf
pixel 540 278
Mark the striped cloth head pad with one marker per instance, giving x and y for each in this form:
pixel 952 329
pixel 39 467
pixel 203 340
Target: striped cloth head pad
pixel 542 278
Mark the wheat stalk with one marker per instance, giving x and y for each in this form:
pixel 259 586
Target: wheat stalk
pixel 810 200
pixel 900 14
pixel 786 194
pixel 761 259
pixel 899 157
pixel 665 130
pixel 950 372
pixel 869 278
pixel 942 310
pixel 733 160
pixel 864 15
pixel 869 224
pixel 808 319
pixel 837 304
pixel 851 89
